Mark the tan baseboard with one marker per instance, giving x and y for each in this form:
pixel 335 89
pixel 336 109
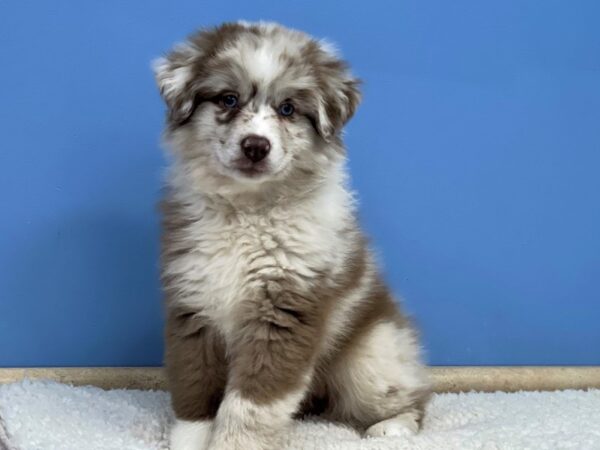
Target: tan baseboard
pixel 515 378
pixel 103 377
pixel 446 379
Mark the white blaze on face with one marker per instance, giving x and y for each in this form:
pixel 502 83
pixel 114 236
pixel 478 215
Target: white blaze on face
pixel 264 122
pixel 260 121
pixel 263 64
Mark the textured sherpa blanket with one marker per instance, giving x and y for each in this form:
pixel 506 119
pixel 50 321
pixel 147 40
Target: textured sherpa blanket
pixel 38 415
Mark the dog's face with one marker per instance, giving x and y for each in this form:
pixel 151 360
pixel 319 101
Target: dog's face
pixel 253 104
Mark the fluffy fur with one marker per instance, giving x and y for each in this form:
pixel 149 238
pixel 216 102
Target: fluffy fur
pixel 275 307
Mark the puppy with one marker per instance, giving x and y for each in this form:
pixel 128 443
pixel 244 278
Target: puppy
pixel 275 308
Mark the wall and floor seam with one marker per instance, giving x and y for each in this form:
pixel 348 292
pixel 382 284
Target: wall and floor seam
pixel 445 378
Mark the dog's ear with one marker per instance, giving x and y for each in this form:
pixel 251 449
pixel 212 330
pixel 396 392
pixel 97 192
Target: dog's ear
pixel 174 76
pixel 340 93
pixel 180 73
pixel 338 107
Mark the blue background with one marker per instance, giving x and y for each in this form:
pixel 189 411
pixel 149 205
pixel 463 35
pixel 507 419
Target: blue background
pixel 476 154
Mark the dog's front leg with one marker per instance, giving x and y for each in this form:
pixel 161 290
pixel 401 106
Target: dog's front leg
pixel 272 360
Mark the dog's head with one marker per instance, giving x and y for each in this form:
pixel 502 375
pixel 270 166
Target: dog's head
pixel 255 103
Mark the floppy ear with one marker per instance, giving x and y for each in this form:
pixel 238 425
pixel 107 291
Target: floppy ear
pixel 339 89
pixel 174 76
pixel 340 98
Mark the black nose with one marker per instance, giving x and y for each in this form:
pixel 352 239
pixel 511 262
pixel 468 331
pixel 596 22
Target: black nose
pixel 255 147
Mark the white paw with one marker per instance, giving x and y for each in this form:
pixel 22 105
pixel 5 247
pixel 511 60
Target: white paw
pixel 401 425
pixel 186 435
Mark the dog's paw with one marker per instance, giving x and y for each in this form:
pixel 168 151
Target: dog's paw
pixel 186 435
pixel 401 425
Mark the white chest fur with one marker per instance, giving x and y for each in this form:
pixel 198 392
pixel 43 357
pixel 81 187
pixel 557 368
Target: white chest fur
pixel 232 252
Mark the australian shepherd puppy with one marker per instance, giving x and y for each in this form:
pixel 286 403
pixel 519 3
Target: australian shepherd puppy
pixel 275 308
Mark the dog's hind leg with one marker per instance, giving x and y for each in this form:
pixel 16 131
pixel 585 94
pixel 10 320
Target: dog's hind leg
pixel 380 385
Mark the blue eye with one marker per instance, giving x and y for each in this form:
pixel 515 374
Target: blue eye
pixel 286 109
pixel 229 101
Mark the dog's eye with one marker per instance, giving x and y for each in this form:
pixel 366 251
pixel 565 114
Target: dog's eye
pixel 286 109
pixel 229 101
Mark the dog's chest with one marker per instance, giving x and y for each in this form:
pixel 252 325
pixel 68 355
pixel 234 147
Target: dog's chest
pixel 229 258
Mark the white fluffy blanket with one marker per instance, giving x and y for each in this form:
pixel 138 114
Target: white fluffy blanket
pixel 37 415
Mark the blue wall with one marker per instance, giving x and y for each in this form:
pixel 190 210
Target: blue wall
pixel 476 154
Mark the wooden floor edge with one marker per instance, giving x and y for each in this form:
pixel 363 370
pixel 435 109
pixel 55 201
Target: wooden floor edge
pixel 445 379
